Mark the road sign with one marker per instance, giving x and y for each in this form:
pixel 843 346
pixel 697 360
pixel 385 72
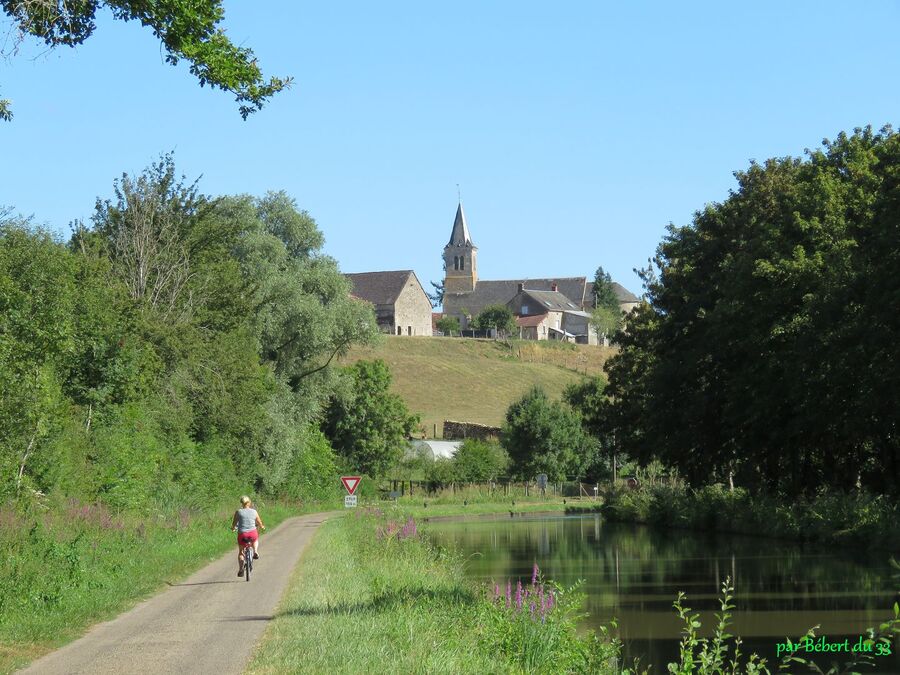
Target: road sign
pixel 542 480
pixel 349 501
pixel 351 483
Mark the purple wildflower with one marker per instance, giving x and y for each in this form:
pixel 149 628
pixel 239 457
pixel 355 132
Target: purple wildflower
pixel 496 591
pixel 519 594
pixel 534 574
pixel 508 593
pixel 409 529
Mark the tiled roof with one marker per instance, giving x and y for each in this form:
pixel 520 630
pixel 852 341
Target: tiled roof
pixel 500 292
pixel 379 288
pixel 551 300
pixel 533 320
pixel 622 293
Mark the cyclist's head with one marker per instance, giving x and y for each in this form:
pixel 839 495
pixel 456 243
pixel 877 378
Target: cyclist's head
pixel 245 500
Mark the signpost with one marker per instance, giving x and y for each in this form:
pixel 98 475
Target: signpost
pixel 542 482
pixel 350 484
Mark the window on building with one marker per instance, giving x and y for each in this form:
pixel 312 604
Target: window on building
pixel 462 262
pixel 399 330
pixel 409 330
pixel 456 262
pixel 524 309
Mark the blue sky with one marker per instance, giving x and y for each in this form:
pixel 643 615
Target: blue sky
pixel 577 131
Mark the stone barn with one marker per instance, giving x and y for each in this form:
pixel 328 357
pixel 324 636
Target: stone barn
pixel 401 305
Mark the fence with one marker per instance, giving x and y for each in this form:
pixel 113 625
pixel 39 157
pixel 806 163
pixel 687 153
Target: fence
pixel 491 490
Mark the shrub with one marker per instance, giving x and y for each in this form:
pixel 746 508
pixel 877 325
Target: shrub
pixel 478 461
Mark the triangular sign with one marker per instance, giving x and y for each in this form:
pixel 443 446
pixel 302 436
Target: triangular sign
pixel 350 482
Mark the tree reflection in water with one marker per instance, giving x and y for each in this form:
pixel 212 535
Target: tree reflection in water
pixel 634 572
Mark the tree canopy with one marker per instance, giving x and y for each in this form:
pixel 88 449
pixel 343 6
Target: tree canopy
pixel 544 436
pixel 187 30
pixel 367 424
pixel 177 347
pixel 495 316
pixel 606 317
pixel 767 349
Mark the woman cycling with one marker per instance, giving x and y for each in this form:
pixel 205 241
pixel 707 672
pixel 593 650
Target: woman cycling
pixel 245 521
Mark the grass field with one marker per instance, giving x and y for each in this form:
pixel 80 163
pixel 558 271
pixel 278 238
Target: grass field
pixel 476 380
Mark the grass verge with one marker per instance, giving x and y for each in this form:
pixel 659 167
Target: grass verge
pixel 371 595
pixel 66 570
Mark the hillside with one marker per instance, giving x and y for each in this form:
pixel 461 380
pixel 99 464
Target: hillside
pixel 476 380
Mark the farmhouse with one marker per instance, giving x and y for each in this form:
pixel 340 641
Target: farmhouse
pixel 557 308
pixel 401 305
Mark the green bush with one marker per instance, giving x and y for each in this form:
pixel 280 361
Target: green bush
pixel 478 461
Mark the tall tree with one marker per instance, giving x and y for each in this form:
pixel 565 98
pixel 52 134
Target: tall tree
pixel 606 317
pixel 544 436
pixel 187 30
pixel 368 424
pixel 766 350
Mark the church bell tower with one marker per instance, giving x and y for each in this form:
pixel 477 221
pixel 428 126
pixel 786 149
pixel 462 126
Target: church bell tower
pixel 460 261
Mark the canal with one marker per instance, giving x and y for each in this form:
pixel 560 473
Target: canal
pixel 633 573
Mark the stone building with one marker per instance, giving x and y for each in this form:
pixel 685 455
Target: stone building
pixel 571 298
pixel 401 305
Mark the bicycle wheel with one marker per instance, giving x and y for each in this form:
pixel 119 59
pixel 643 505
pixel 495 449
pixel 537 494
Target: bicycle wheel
pixel 248 562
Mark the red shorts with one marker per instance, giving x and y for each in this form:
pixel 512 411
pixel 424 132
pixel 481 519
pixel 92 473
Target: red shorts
pixel 247 537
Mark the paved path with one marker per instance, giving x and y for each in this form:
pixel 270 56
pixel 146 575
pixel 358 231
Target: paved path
pixel 208 623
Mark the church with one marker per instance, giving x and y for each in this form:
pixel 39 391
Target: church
pixel 546 309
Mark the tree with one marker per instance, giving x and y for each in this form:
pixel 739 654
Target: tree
pixel 478 461
pixel 499 317
pixel 188 30
pixel 436 298
pixel 37 294
pixel 448 324
pixel 766 351
pixel 147 234
pixel 543 436
pixel 588 398
pixel 606 317
pixel 366 423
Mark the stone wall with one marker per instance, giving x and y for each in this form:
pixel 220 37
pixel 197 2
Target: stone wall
pixel 460 430
pixel 412 310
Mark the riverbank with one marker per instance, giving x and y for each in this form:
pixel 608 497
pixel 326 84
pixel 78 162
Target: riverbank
pixel 65 571
pixel 424 509
pixel 372 595
pixel 861 521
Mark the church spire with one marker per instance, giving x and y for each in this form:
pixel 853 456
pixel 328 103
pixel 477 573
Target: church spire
pixel 460 257
pixel 460 235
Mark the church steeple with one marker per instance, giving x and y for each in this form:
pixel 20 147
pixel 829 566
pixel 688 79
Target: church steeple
pixel 460 262
pixel 460 235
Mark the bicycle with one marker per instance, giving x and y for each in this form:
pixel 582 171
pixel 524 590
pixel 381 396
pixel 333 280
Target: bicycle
pixel 248 558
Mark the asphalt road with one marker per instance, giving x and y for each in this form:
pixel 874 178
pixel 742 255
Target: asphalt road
pixel 208 623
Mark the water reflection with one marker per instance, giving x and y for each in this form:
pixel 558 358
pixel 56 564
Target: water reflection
pixel 633 573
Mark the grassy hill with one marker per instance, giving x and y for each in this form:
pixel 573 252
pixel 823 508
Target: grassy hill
pixel 476 380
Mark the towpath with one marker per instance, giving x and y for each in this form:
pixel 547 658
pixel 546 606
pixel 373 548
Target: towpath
pixel 208 623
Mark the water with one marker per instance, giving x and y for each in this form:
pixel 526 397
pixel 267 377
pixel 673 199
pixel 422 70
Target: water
pixel 634 572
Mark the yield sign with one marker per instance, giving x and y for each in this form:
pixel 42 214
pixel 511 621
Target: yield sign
pixel 350 482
